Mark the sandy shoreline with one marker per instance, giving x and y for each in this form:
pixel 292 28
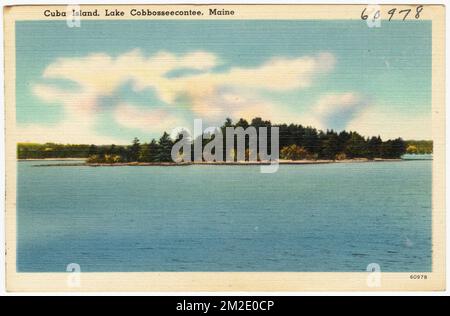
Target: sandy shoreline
pixel 240 163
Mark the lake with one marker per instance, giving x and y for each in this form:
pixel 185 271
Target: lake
pixel 333 217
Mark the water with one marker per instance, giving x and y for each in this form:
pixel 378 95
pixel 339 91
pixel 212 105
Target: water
pixel 334 217
pixel 417 156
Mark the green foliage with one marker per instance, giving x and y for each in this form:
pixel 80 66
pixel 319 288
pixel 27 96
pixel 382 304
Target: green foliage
pixel 293 152
pixel 340 156
pixel 356 146
pixel 51 150
pixel 149 152
pixel 422 146
pixel 393 148
pixel 330 145
pixel 164 148
pixel 296 142
pixel 374 147
pixel 107 158
pixel 411 149
pixel 134 150
pixel 95 159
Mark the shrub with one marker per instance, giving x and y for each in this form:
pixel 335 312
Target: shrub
pixel 294 152
pixel 95 159
pixel 341 156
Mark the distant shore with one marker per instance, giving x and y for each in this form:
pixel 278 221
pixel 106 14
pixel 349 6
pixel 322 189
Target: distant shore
pixel 240 163
pixel 52 159
pixel 235 163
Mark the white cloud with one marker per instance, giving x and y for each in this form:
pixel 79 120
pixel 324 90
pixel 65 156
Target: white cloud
pixel 74 102
pixel 332 103
pixel 277 74
pixel 392 124
pixel 148 120
pixel 352 111
pixel 102 74
pixel 248 106
pixel 209 95
pixel 336 110
pixel 67 132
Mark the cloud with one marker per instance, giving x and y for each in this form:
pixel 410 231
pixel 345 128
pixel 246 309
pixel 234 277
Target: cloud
pixel 373 121
pixel 352 111
pixel 148 120
pixel 336 110
pixel 74 102
pixel 100 75
pixel 207 93
pixel 67 132
pixel 202 90
pixel 248 106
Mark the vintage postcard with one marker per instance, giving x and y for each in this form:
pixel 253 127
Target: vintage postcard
pixel 225 147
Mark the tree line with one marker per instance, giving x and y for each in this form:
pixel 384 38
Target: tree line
pixel 419 147
pixel 296 142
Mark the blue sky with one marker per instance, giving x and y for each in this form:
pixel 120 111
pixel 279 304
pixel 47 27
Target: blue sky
pixel 109 81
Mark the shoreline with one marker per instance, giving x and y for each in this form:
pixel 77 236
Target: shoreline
pixel 180 164
pixel 52 159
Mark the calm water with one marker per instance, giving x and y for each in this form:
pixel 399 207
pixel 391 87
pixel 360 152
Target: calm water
pixel 335 217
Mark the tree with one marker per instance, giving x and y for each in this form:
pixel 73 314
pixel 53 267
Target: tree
pixel 242 123
pixel 293 152
pixel 94 159
pixel 92 150
pixel 411 149
pixel 422 146
pixel 123 152
pixel 112 159
pixel 374 147
pixel 393 149
pixel 149 152
pixel 311 140
pixel 152 151
pixel 296 142
pixel 228 122
pixel 340 156
pixel 356 146
pixel 398 147
pixel 330 145
pixel 259 122
pixel 165 148
pixel 134 150
pixel 144 153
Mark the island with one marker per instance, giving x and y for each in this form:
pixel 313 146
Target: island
pixel 298 145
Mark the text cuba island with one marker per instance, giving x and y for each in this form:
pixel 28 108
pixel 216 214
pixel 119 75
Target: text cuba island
pixel 139 12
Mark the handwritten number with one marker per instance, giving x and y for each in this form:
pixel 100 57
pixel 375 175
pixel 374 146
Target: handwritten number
pixel 418 10
pixel 391 12
pixel 364 16
pixel 407 12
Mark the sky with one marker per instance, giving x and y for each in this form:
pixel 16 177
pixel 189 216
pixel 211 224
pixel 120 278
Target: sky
pixel 110 81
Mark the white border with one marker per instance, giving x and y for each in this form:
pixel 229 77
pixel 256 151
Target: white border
pixel 2 154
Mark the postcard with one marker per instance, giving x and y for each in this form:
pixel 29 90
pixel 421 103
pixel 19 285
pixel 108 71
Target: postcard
pixel 225 148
